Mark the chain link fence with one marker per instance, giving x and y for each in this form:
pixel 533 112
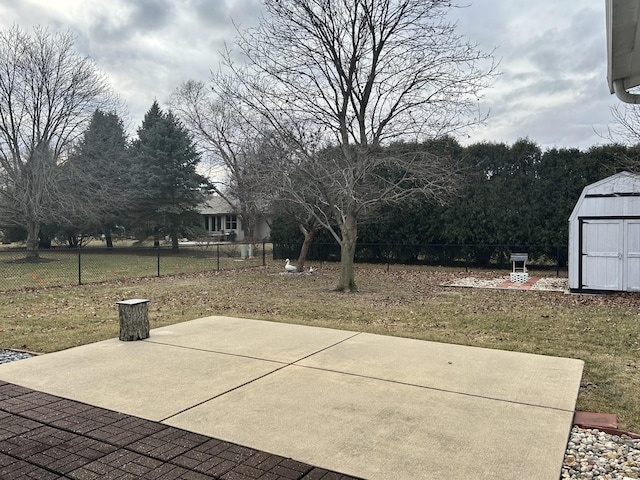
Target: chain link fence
pixel 62 266
pixel 544 257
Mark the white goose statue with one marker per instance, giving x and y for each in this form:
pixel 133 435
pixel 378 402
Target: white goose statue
pixel 288 267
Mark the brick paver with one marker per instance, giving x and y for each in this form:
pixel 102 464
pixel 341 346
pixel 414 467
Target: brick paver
pixel 44 437
pixel 519 286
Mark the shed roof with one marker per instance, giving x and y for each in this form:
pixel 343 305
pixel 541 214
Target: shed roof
pixel 621 185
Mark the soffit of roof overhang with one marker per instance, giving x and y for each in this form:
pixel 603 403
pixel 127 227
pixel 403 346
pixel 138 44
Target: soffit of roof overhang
pixel 623 42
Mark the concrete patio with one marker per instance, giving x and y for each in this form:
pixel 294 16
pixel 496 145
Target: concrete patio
pixel 369 406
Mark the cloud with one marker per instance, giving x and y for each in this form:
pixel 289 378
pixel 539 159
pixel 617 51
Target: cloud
pixel 151 15
pixel 553 83
pixel 210 14
pixel 149 47
pixel 553 57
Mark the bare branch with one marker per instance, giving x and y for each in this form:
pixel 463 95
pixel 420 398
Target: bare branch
pixel 338 82
pixel 47 96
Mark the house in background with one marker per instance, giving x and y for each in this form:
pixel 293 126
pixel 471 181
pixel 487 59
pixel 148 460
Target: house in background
pixel 223 224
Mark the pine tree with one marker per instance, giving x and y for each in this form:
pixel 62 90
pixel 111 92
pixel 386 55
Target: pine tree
pixel 170 189
pixel 101 168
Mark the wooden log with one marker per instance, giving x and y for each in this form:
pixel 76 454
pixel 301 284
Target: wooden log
pixel 134 319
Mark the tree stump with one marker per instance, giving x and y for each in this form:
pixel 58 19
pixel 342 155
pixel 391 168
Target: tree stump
pixel 134 319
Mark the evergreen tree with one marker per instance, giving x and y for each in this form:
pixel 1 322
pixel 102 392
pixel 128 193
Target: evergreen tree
pixel 170 189
pixel 101 168
pixel 559 187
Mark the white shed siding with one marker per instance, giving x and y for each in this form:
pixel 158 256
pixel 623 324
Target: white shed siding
pixel 601 246
pixel 633 255
pixel 604 236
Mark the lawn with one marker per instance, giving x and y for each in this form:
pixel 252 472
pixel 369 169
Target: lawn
pixel 603 330
pixel 64 267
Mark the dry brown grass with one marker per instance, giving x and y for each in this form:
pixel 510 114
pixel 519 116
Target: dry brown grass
pixel 603 330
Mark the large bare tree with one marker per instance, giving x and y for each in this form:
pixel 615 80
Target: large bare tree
pixel 229 142
pixel 250 152
pixel 360 74
pixel 48 93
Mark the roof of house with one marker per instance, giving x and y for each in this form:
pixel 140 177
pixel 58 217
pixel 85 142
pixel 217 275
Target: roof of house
pixel 216 205
pixel 623 54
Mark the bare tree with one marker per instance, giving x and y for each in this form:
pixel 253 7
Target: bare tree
pixel 359 74
pixel 626 125
pixel 229 142
pixel 252 155
pixel 623 135
pixel 48 93
pixel 307 224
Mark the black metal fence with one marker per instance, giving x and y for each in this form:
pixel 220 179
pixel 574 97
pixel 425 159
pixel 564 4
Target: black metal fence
pixel 64 266
pixel 72 266
pixel 550 257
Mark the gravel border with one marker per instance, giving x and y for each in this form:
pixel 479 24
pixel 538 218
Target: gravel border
pixel 551 284
pixel 596 455
pixel 7 355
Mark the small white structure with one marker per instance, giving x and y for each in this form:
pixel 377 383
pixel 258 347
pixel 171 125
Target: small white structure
pixel 604 236
pixel 519 272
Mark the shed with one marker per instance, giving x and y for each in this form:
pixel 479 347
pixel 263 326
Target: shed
pixel 604 236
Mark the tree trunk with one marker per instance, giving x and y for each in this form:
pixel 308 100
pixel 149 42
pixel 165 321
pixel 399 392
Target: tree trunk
pixel 174 243
pixel 134 319
pixel 33 229
pixel 73 240
pixel 349 231
pixel 108 238
pixel 248 222
pixel 309 235
pixel 44 241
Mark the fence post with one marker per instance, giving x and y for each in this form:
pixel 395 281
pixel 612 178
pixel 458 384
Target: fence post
pixel 388 256
pixel 158 257
pixel 467 258
pixel 218 257
pixel 264 255
pixel 79 266
pixel 557 261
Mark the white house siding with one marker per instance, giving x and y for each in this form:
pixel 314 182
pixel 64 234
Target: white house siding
pixel 215 213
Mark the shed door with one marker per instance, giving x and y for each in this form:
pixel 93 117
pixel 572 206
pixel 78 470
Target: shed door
pixel 633 255
pixel 602 254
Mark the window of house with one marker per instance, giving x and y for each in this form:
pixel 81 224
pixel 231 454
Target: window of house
pixel 231 222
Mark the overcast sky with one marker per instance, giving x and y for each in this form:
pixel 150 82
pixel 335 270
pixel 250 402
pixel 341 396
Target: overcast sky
pixel 552 90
